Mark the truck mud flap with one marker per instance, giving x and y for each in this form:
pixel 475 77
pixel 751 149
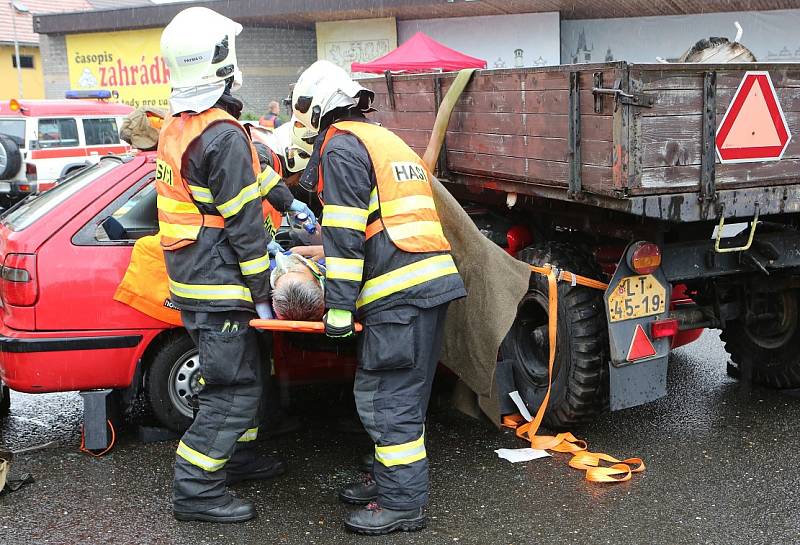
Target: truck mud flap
pixel 638 366
pixel 637 384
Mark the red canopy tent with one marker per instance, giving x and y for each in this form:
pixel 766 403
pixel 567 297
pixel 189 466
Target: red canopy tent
pixel 420 54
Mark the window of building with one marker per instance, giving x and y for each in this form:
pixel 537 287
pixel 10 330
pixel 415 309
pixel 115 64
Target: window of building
pixel 58 133
pixel 100 132
pixel 25 61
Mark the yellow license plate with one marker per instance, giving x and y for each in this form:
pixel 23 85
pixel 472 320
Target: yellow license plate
pixel 636 297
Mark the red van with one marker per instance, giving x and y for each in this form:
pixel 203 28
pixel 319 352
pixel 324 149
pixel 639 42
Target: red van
pixel 61 329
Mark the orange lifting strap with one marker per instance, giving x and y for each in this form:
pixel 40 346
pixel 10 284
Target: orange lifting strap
pixel 582 458
pixel 292 326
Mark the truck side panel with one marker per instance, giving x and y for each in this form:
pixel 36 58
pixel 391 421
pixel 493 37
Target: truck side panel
pixel 511 125
pixel 669 143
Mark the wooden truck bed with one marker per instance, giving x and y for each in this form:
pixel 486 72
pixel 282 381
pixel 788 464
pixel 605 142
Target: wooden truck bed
pixel 545 132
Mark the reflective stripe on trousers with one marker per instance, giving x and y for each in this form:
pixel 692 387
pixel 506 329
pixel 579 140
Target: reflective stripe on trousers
pixel 249 435
pixel 406 453
pixel 199 459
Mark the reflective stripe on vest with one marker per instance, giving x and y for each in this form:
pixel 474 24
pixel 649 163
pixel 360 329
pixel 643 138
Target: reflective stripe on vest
pixel 403 195
pixel 405 277
pixel 180 220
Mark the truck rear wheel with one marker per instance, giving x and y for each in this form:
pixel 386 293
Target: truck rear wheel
pixel 580 376
pixel 767 338
pixel 172 378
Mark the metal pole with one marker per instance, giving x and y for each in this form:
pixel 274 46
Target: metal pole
pixel 16 47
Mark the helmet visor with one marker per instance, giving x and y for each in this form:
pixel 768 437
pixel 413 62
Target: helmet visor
pixel 302 104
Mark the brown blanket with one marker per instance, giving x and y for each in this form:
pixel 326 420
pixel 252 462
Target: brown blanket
pixel 477 324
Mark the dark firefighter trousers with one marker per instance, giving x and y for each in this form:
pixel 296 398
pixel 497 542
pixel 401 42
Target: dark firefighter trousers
pixel 397 357
pixel 222 434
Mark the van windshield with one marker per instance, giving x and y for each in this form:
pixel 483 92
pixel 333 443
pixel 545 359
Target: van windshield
pixel 30 210
pixel 15 128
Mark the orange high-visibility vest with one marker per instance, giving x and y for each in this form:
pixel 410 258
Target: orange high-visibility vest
pixel 179 218
pixel 404 195
pixel 145 285
pixel 267 123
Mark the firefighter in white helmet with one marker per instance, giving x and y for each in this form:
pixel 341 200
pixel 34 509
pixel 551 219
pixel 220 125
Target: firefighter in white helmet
pixel 388 264
pixel 212 218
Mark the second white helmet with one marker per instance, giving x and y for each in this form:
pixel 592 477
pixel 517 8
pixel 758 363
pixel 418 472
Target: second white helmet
pixel 322 88
pixel 294 156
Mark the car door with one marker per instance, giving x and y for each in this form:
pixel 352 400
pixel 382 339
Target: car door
pixel 86 260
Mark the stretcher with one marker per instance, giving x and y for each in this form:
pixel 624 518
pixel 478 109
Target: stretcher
pixel 293 326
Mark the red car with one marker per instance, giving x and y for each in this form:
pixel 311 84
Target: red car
pixel 61 328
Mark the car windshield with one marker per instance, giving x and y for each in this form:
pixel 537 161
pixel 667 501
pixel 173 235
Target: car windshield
pixel 29 211
pixel 15 128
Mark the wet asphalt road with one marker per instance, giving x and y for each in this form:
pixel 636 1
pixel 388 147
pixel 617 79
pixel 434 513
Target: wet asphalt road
pixel 722 468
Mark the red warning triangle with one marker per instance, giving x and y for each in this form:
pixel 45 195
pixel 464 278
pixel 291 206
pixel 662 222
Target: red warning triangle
pixel 754 127
pixel 641 347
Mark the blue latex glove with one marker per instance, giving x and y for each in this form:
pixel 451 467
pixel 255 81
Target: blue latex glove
pixel 299 206
pixel 264 311
pixel 274 248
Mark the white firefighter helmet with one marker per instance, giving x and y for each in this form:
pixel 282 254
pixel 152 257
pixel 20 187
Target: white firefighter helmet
pixel 199 47
pixel 294 157
pixel 321 88
pixel 302 136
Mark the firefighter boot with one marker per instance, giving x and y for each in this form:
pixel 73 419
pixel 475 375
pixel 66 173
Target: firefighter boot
pixel 376 521
pixel 236 510
pixel 360 493
pixel 260 468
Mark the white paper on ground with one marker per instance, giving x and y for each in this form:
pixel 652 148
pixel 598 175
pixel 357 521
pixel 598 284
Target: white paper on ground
pixel 515 455
pixel 523 410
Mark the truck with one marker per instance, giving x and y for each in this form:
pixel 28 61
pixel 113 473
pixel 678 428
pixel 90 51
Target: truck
pixel 675 184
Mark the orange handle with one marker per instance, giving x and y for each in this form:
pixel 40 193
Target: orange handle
pixel 293 326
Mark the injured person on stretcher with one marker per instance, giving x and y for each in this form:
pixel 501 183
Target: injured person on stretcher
pixel 298 284
pixel 297 278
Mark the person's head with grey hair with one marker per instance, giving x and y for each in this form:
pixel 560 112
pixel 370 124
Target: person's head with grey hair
pixel 298 289
pixel 298 299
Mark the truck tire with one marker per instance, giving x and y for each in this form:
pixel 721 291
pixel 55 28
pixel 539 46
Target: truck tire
pixel 5 400
pixel 10 157
pixel 580 375
pixel 172 378
pixel 770 347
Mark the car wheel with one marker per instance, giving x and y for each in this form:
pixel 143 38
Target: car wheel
pixel 580 377
pixel 173 377
pixel 10 157
pixel 5 400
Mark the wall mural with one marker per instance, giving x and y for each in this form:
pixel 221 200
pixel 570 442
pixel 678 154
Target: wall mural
pixel 770 35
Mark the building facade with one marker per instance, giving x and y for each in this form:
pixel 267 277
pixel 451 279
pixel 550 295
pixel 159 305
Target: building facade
pixel 282 37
